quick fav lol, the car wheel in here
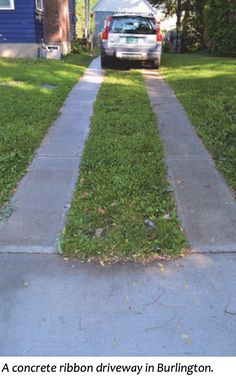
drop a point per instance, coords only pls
(105, 62)
(156, 63)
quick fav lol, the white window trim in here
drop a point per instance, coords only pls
(38, 8)
(10, 8)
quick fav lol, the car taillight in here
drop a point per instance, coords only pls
(105, 34)
(159, 35)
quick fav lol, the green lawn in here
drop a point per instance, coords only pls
(28, 109)
(206, 86)
(123, 207)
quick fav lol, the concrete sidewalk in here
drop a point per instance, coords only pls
(205, 204)
(44, 195)
(49, 306)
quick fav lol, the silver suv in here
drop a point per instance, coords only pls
(131, 37)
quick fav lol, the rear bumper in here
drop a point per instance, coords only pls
(137, 54)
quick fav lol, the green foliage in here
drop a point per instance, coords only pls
(220, 26)
(76, 47)
(193, 25)
(170, 5)
(31, 94)
(80, 45)
(206, 88)
(207, 24)
(123, 187)
(80, 13)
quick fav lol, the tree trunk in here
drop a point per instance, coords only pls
(178, 23)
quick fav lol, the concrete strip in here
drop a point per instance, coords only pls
(67, 137)
(49, 306)
(44, 195)
(205, 204)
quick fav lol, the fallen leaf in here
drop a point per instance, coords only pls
(188, 341)
(101, 211)
(99, 232)
(162, 268)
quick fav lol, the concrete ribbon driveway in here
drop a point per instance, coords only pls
(49, 306)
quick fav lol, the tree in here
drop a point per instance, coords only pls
(206, 24)
(173, 7)
(80, 12)
(179, 8)
(220, 22)
(194, 26)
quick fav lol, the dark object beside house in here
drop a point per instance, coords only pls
(173, 43)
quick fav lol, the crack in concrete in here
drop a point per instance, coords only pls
(155, 300)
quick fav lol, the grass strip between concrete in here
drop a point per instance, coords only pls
(123, 207)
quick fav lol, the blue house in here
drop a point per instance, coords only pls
(30, 26)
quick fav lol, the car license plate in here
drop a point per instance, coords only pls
(131, 40)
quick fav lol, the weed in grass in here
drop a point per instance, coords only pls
(6, 211)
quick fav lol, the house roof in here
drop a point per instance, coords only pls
(139, 6)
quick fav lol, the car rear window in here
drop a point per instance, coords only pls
(133, 25)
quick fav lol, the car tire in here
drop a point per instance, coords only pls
(156, 64)
(105, 62)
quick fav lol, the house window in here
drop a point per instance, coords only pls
(39, 5)
(7, 4)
